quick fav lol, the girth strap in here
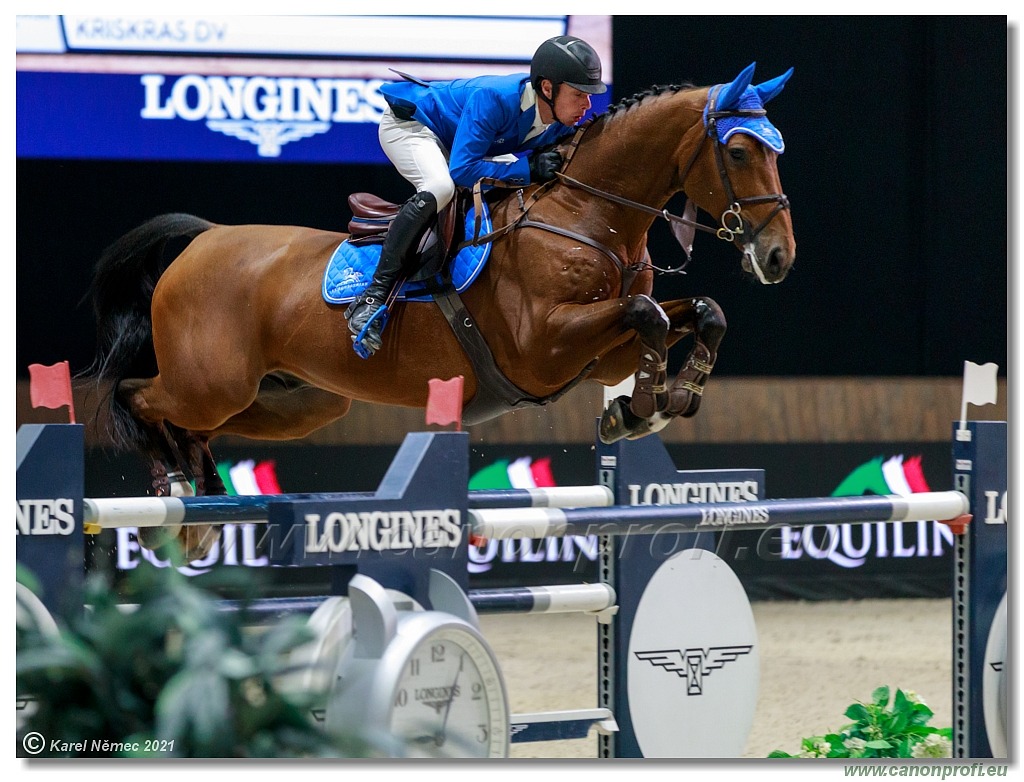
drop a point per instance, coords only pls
(495, 394)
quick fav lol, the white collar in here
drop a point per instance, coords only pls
(530, 99)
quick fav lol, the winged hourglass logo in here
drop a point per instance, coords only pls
(694, 664)
(269, 137)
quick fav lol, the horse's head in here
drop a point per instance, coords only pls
(736, 177)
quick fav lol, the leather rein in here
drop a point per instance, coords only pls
(732, 226)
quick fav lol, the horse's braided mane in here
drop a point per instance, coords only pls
(654, 90)
(628, 103)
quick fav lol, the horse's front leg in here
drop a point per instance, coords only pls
(572, 332)
(701, 317)
(651, 324)
(628, 335)
(705, 319)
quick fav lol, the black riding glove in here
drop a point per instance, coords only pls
(544, 165)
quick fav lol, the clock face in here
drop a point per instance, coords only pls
(450, 699)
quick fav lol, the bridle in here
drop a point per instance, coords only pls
(732, 226)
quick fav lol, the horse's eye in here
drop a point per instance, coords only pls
(738, 154)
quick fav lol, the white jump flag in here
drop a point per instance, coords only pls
(980, 388)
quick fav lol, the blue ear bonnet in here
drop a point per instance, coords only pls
(758, 127)
(751, 97)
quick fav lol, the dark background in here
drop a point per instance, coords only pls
(895, 166)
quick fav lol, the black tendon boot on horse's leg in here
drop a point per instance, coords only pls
(367, 314)
(688, 388)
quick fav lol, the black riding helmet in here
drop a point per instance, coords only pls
(566, 59)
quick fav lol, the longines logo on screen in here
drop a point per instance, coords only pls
(266, 111)
(46, 517)
(694, 664)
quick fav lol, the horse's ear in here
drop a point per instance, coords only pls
(769, 89)
(730, 94)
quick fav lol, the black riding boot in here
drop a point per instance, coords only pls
(396, 257)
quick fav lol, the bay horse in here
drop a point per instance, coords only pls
(232, 336)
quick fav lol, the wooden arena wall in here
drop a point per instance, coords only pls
(735, 410)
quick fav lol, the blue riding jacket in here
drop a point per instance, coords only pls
(475, 119)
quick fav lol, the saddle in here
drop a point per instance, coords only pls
(372, 216)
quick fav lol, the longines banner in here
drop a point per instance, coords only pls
(824, 561)
(157, 116)
(296, 89)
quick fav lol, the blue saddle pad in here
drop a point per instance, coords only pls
(352, 266)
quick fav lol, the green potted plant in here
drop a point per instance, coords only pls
(170, 675)
(881, 729)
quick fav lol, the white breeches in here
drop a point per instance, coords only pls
(419, 156)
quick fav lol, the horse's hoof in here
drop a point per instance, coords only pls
(613, 426)
(640, 431)
(197, 540)
(155, 538)
(179, 544)
(618, 422)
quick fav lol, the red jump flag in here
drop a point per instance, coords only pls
(444, 402)
(50, 386)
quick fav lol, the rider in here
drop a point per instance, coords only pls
(447, 134)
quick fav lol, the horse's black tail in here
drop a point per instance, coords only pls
(121, 295)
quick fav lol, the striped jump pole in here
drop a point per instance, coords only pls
(501, 524)
(555, 599)
(113, 512)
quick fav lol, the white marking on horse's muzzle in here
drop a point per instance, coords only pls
(751, 255)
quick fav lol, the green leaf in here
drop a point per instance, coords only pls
(918, 730)
(27, 578)
(236, 665)
(195, 709)
(778, 753)
(176, 667)
(858, 712)
(901, 703)
(920, 708)
(920, 714)
(880, 697)
(897, 722)
(879, 744)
